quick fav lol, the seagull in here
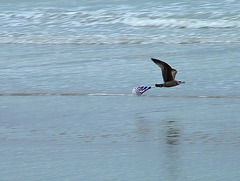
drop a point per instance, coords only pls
(168, 74)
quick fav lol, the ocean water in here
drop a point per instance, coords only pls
(66, 74)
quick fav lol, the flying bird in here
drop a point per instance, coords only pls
(168, 74)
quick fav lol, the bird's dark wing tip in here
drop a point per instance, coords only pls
(158, 62)
(161, 63)
(155, 60)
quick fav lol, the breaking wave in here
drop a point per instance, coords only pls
(117, 26)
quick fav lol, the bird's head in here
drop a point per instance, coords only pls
(181, 82)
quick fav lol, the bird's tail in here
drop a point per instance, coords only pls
(159, 85)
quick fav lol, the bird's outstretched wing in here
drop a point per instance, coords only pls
(167, 72)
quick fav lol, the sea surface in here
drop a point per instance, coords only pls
(67, 70)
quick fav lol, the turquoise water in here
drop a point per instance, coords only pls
(67, 71)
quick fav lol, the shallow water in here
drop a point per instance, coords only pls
(119, 137)
(67, 71)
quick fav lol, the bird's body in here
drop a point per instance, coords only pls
(168, 74)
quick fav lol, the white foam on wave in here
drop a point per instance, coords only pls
(182, 23)
(99, 17)
(115, 26)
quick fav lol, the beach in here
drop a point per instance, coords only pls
(66, 107)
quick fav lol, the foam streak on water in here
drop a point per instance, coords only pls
(112, 94)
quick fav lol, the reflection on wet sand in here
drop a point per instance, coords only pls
(168, 135)
(143, 129)
(173, 133)
(172, 137)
